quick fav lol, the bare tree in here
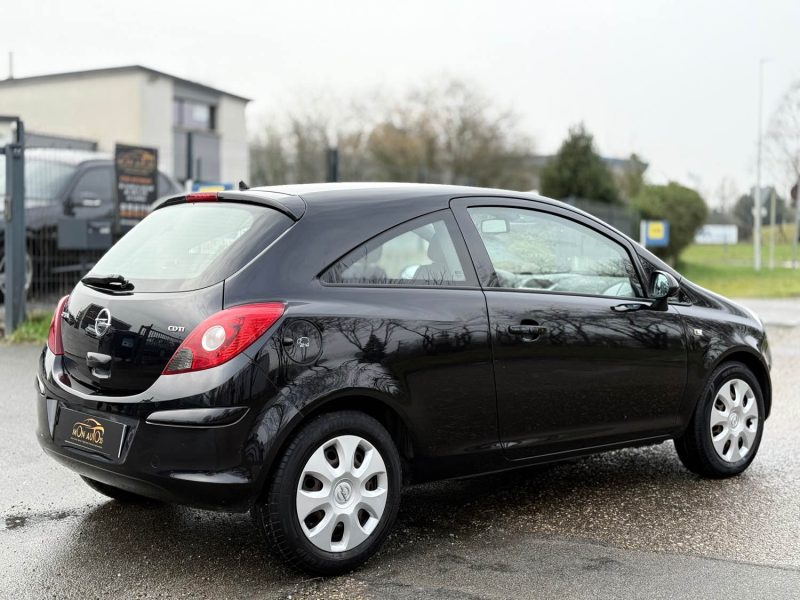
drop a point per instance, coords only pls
(783, 147)
(442, 132)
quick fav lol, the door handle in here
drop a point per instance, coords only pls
(529, 333)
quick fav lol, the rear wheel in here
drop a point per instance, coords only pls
(334, 494)
(725, 432)
(116, 493)
(28, 274)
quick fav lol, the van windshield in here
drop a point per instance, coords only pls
(190, 246)
(44, 179)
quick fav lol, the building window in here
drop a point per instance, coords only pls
(190, 114)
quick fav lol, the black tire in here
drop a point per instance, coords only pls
(276, 515)
(695, 447)
(117, 493)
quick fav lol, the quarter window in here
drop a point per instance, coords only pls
(539, 251)
(416, 254)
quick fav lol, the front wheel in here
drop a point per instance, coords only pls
(334, 494)
(725, 432)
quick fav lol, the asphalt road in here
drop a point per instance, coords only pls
(631, 523)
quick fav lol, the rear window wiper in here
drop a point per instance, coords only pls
(116, 283)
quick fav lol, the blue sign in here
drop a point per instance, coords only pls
(654, 234)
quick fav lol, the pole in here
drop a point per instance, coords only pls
(772, 208)
(796, 225)
(757, 198)
(15, 231)
(333, 164)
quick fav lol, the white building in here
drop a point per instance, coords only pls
(199, 130)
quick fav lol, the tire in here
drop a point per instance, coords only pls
(117, 493)
(28, 274)
(346, 463)
(714, 450)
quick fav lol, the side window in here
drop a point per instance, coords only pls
(410, 254)
(539, 251)
(95, 187)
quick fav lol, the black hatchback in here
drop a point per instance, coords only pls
(306, 351)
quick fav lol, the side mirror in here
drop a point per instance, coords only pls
(495, 226)
(663, 286)
(86, 200)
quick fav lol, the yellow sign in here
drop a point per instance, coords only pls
(655, 230)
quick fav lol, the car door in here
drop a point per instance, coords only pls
(92, 196)
(580, 358)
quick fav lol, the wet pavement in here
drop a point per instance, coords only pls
(631, 523)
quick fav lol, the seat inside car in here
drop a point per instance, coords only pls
(437, 271)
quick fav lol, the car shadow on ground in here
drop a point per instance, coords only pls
(184, 546)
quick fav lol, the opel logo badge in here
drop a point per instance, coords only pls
(102, 322)
(342, 493)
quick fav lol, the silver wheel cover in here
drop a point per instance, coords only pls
(342, 492)
(734, 420)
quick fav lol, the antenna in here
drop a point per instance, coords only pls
(10, 65)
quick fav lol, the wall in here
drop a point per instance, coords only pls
(102, 107)
(234, 154)
(156, 124)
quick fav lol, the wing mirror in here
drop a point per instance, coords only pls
(86, 200)
(495, 226)
(663, 286)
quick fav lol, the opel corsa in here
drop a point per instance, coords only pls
(305, 351)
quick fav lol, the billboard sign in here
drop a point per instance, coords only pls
(136, 181)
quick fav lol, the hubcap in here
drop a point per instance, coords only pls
(734, 420)
(342, 493)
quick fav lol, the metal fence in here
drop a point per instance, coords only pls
(70, 218)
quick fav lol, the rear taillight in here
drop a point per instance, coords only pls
(202, 197)
(222, 336)
(54, 334)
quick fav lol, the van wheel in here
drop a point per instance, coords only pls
(116, 493)
(725, 432)
(334, 494)
(28, 273)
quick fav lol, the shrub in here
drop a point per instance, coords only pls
(683, 207)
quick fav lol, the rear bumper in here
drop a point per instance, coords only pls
(217, 466)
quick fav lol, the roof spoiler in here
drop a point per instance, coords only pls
(292, 206)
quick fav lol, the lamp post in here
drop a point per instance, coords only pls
(757, 197)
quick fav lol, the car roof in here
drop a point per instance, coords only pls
(66, 155)
(313, 193)
(408, 198)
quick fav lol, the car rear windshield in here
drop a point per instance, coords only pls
(191, 246)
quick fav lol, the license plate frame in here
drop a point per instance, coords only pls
(89, 433)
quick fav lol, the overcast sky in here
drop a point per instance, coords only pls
(676, 82)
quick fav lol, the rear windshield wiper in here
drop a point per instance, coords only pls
(115, 283)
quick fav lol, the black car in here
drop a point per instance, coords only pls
(306, 351)
(69, 207)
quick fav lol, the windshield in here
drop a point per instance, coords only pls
(189, 246)
(44, 179)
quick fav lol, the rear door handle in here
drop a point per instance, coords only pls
(529, 333)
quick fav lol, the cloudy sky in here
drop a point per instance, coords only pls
(676, 82)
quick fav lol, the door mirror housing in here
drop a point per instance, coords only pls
(663, 286)
(495, 226)
(86, 200)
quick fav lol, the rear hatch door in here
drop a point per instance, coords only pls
(127, 317)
